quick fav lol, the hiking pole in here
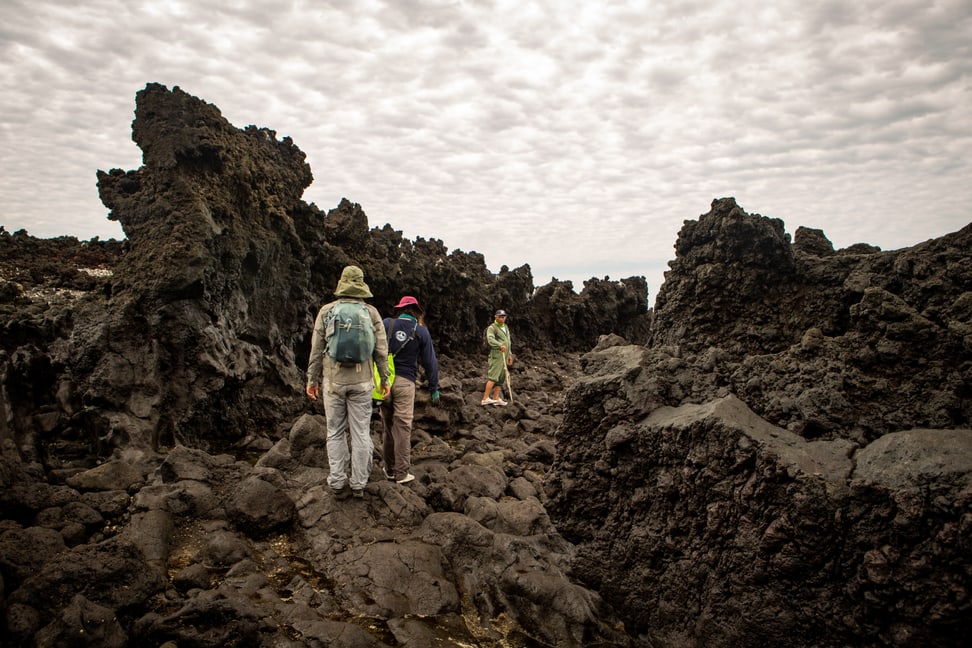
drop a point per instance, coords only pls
(509, 387)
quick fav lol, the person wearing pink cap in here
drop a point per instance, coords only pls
(410, 343)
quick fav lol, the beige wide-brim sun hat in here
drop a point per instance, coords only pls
(352, 284)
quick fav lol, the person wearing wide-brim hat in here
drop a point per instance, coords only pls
(347, 397)
(410, 343)
(500, 357)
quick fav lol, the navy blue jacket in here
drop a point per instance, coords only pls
(409, 354)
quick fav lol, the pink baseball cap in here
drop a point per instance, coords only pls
(409, 301)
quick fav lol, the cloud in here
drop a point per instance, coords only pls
(576, 137)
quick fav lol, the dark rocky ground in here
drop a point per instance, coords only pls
(778, 452)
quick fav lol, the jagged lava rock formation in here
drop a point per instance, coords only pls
(789, 459)
(162, 472)
(779, 452)
(205, 329)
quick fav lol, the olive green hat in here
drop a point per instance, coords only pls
(352, 284)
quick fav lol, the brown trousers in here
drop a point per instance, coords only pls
(397, 412)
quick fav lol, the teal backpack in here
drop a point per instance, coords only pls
(349, 333)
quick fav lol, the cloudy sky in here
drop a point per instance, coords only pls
(572, 135)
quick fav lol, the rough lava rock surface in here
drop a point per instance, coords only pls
(779, 452)
(788, 460)
(158, 449)
(853, 343)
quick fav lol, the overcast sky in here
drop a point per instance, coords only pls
(574, 136)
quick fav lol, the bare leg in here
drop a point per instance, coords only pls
(489, 387)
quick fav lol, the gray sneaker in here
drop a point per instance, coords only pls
(387, 474)
(407, 478)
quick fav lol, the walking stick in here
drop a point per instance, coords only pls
(509, 387)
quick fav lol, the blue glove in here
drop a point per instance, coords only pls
(435, 398)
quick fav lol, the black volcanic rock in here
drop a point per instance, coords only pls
(153, 426)
(744, 534)
(198, 325)
(852, 344)
(778, 454)
(789, 459)
(203, 326)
